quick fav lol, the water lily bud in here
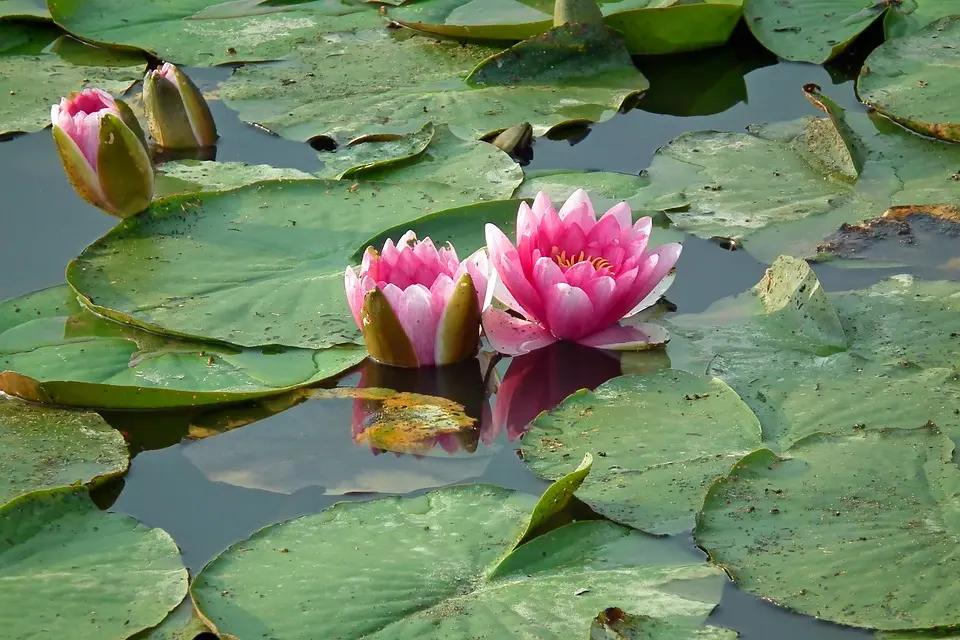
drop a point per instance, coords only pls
(103, 152)
(177, 115)
(576, 12)
(416, 305)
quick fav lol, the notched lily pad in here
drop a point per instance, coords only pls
(46, 447)
(915, 235)
(375, 152)
(52, 350)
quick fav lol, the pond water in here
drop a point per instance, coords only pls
(211, 492)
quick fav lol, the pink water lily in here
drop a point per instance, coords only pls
(103, 151)
(574, 277)
(418, 305)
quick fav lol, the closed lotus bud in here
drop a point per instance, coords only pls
(177, 115)
(103, 151)
(416, 305)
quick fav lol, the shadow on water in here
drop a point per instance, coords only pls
(210, 492)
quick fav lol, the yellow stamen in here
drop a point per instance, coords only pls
(561, 258)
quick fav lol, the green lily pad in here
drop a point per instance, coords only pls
(52, 350)
(43, 448)
(694, 428)
(205, 33)
(384, 83)
(182, 624)
(18, 38)
(810, 31)
(477, 170)
(445, 573)
(912, 80)
(914, 15)
(255, 266)
(191, 176)
(616, 624)
(857, 529)
(648, 26)
(604, 187)
(23, 10)
(377, 153)
(73, 569)
(31, 83)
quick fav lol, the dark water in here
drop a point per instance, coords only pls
(209, 493)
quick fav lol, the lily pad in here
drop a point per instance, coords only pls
(616, 624)
(377, 152)
(18, 38)
(476, 169)
(912, 80)
(256, 266)
(810, 31)
(913, 15)
(31, 83)
(182, 624)
(23, 10)
(857, 529)
(605, 188)
(191, 176)
(53, 350)
(384, 83)
(445, 573)
(44, 447)
(694, 428)
(204, 33)
(72, 569)
(648, 26)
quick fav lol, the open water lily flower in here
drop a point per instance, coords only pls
(103, 151)
(418, 305)
(574, 277)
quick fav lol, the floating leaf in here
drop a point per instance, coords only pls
(23, 9)
(476, 169)
(857, 529)
(191, 176)
(73, 570)
(913, 80)
(182, 624)
(31, 83)
(915, 235)
(913, 15)
(442, 572)
(384, 83)
(693, 429)
(648, 26)
(54, 351)
(210, 32)
(375, 153)
(44, 447)
(616, 624)
(254, 266)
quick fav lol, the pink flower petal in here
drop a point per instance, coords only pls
(419, 321)
(654, 296)
(541, 203)
(625, 338)
(604, 233)
(506, 261)
(621, 213)
(389, 255)
(441, 290)
(478, 266)
(351, 283)
(580, 274)
(570, 314)
(577, 199)
(603, 294)
(580, 217)
(513, 336)
(647, 281)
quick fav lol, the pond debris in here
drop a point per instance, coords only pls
(920, 235)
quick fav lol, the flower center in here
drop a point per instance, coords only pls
(561, 258)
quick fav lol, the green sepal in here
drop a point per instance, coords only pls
(124, 168)
(198, 111)
(167, 117)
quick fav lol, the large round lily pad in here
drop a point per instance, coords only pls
(23, 9)
(385, 83)
(31, 83)
(662, 438)
(428, 567)
(73, 571)
(254, 266)
(648, 26)
(616, 624)
(46, 447)
(858, 529)
(210, 32)
(913, 80)
(53, 350)
(191, 176)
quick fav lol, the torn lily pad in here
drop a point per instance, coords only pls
(373, 153)
(913, 80)
(456, 576)
(52, 350)
(46, 447)
(390, 83)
